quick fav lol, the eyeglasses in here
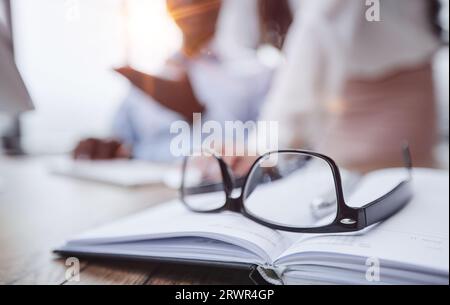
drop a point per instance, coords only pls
(288, 190)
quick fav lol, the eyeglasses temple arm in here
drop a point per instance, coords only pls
(387, 205)
(407, 159)
(211, 187)
(396, 199)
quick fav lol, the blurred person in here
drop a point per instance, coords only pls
(275, 19)
(357, 89)
(254, 23)
(201, 78)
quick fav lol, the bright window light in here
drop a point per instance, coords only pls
(66, 50)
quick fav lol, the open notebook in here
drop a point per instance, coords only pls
(412, 247)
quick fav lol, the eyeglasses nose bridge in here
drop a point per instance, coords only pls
(228, 177)
(234, 204)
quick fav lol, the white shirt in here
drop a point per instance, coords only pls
(330, 42)
(231, 90)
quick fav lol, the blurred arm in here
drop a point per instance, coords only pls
(176, 95)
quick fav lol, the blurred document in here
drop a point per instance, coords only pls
(126, 173)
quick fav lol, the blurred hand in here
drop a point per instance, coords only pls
(127, 72)
(240, 165)
(100, 149)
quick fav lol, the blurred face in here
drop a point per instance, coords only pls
(195, 17)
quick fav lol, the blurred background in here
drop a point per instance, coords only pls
(66, 50)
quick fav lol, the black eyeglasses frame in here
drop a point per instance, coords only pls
(348, 219)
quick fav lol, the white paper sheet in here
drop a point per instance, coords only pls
(126, 173)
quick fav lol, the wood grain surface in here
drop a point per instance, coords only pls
(39, 211)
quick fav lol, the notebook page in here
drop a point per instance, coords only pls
(415, 237)
(172, 219)
(188, 248)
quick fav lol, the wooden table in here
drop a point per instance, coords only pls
(38, 211)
